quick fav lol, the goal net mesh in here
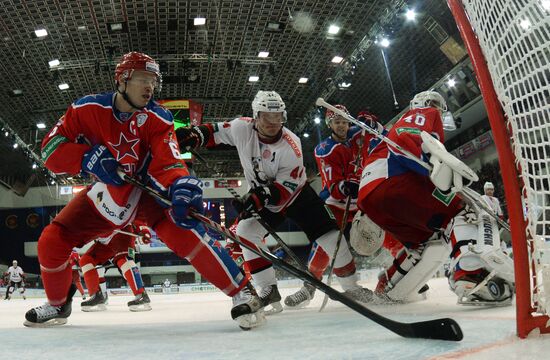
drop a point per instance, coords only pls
(515, 39)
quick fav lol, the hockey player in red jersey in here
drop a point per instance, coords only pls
(120, 249)
(74, 260)
(271, 157)
(422, 210)
(127, 130)
(336, 158)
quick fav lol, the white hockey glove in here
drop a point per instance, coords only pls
(448, 172)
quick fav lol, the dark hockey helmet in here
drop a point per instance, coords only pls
(366, 115)
(331, 115)
(136, 61)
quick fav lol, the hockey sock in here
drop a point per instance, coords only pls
(206, 255)
(131, 274)
(318, 261)
(53, 256)
(91, 278)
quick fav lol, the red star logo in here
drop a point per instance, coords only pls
(125, 147)
(217, 244)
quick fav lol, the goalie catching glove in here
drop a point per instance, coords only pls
(366, 236)
(447, 172)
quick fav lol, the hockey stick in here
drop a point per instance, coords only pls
(338, 241)
(466, 192)
(438, 329)
(342, 225)
(256, 216)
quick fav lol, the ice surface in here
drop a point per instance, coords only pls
(199, 326)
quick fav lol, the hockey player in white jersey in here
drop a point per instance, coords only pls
(271, 156)
(16, 277)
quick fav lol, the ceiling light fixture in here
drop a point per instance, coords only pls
(303, 80)
(337, 59)
(263, 54)
(253, 78)
(41, 125)
(41, 32)
(333, 29)
(410, 15)
(385, 42)
(54, 63)
(199, 21)
(63, 86)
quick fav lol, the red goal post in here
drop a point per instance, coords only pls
(509, 45)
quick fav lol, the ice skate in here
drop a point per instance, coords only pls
(48, 315)
(247, 309)
(301, 298)
(361, 295)
(96, 302)
(140, 303)
(270, 297)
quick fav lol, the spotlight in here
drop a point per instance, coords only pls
(410, 15)
(317, 120)
(306, 135)
(385, 42)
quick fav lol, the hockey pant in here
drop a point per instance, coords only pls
(117, 250)
(12, 285)
(79, 223)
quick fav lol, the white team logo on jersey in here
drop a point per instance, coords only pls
(141, 119)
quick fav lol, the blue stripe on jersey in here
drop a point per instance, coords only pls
(399, 164)
(163, 113)
(223, 256)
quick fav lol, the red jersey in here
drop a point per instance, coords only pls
(384, 162)
(143, 143)
(336, 164)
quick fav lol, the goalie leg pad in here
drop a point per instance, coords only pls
(416, 269)
(480, 272)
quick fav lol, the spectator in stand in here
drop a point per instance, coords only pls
(493, 202)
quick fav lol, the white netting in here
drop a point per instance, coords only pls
(515, 38)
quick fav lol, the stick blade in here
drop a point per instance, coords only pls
(438, 329)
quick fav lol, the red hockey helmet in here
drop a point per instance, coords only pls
(331, 115)
(136, 61)
(366, 115)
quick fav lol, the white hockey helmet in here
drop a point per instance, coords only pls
(488, 185)
(268, 101)
(429, 98)
(366, 236)
(14, 262)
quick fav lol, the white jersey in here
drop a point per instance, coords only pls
(15, 273)
(493, 203)
(280, 164)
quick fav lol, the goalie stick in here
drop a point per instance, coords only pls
(466, 192)
(438, 329)
(256, 216)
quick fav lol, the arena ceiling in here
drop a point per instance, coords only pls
(212, 63)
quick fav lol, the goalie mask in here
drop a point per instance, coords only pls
(268, 101)
(427, 99)
(366, 236)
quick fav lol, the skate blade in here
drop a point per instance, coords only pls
(138, 308)
(273, 308)
(249, 321)
(485, 303)
(95, 308)
(49, 323)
